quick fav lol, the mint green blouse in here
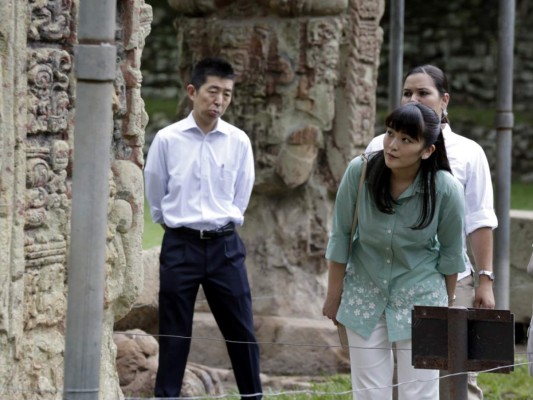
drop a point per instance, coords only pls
(392, 267)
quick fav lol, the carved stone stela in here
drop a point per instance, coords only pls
(306, 76)
(305, 94)
(37, 111)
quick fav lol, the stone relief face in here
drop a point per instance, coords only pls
(59, 155)
(240, 61)
(306, 74)
(283, 83)
(323, 48)
(123, 215)
(38, 173)
(35, 217)
(50, 19)
(36, 197)
(119, 96)
(58, 112)
(49, 310)
(41, 75)
(48, 82)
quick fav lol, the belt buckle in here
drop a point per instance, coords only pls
(202, 235)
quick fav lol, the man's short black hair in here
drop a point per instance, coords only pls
(211, 66)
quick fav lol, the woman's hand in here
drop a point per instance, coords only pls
(451, 281)
(335, 283)
(331, 306)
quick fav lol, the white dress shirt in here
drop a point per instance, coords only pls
(197, 180)
(470, 166)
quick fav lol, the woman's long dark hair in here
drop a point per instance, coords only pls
(422, 124)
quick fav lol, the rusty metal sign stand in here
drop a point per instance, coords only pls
(459, 340)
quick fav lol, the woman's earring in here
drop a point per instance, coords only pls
(444, 112)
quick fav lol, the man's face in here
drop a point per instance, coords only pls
(211, 100)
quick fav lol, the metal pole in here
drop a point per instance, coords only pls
(396, 53)
(95, 68)
(504, 129)
(457, 352)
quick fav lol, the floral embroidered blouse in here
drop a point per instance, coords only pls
(392, 267)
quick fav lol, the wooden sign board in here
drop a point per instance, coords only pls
(490, 341)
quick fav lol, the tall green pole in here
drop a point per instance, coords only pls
(95, 68)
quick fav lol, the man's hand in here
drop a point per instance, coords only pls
(484, 294)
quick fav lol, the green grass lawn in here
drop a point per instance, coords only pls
(153, 233)
(517, 385)
(522, 196)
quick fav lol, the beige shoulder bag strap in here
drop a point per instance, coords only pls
(361, 182)
(343, 337)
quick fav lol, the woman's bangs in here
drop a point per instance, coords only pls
(406, 120)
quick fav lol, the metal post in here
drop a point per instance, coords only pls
(396, 53)
(95, 69)
(504, 129)
(457, 352)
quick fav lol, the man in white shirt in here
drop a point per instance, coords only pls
(199, 176)
(428, 85)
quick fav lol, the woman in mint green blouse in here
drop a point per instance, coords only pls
(406, 251)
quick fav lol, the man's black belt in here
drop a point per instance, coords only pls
(225, 230)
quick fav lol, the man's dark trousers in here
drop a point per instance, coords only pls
(217, 264)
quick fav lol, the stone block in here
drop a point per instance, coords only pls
(289, 346)
(521, 284)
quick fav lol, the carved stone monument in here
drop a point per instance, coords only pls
(305, 94)
(306, 76)
(37, 107)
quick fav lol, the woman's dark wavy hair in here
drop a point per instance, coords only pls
(422, 124)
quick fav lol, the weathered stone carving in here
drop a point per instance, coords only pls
(42, 250)
(306, 76)
(295, 8)
(297, 157)
(48, 82)
(123, 269)
(36, 138)
(284, 8)
(51, 20)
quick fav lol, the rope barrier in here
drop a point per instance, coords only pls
(267, 343)
(10, 389)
